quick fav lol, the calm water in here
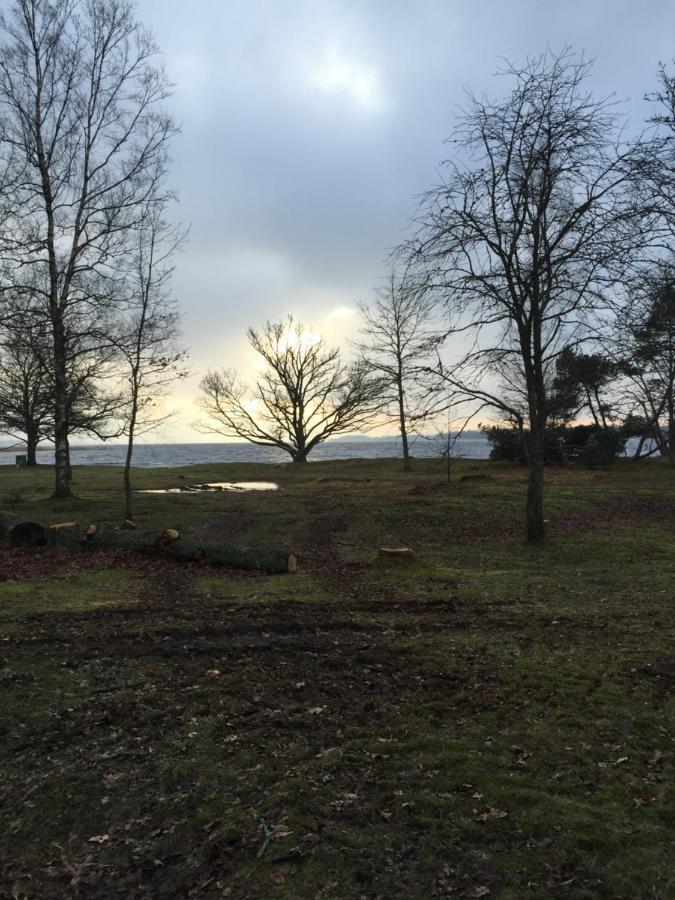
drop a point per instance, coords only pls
(472, 445)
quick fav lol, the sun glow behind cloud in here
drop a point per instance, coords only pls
(343, 77)
(342, 314)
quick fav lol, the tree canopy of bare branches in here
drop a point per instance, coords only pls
(146, 342)
(26, 400)
(304, 396)
(399, 339)
(531, 222)
(658, 162)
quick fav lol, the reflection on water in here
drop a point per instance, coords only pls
(239, 486)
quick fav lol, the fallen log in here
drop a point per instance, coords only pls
(170, 543)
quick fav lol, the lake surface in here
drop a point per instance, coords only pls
(470, 445)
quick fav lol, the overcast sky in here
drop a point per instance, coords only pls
(308, 127)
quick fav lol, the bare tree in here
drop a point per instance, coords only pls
(529, 225)
(147, 339)
(443, 441)
(26, 399)
(83, 130)
(399, 338)
(27, 379)
(305, 395)
(646, 344)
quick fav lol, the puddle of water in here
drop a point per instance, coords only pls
(237, 486)
(213, 486)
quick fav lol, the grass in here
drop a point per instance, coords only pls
(494, 720)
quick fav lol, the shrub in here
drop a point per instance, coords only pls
(603, 446)
(507, 443)
(594, 446)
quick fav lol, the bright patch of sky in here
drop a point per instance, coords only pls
(343, 77)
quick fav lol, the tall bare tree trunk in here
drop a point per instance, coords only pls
(671, 421)
(402, 426)
(638, 451)
(61, 448)
(61, 485)
(69, 467)
(128, 490)
(535, 488)
(31, 448)
(533, 360)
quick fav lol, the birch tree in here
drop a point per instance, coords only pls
(84, 131)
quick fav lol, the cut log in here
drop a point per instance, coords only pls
(235, 555)
(27, 534)
(180, 548)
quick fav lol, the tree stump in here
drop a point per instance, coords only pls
(396, 555)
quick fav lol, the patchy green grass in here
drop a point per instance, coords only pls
(87, 591)
(494, 720)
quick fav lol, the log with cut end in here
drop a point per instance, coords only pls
(235, 555)
(27, 534)
(170, 543)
